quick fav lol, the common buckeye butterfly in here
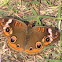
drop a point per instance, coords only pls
(24, 37)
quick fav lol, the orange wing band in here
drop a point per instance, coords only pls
(43, 29)
(16, 23)
(39, 29)
(19, 24)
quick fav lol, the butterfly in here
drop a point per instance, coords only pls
(28, 38)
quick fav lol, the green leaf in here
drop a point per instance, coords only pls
(15, 10)
(59, 23)
(9, 7)
(54, 60)
(38, 21)
(1, 12)
(40, 16)
(5, 2)
(48, 2)
(34, 12)
(35, 2)
(59, 11)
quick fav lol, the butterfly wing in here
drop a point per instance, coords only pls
(30, 39)
(16, 31)
(40, 36)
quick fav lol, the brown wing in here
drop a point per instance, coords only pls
(40, 36)
(29, 39)
(16, 31)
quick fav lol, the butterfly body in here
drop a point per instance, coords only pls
(22, 37)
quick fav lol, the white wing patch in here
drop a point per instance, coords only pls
(50, 34)
(7, 24)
